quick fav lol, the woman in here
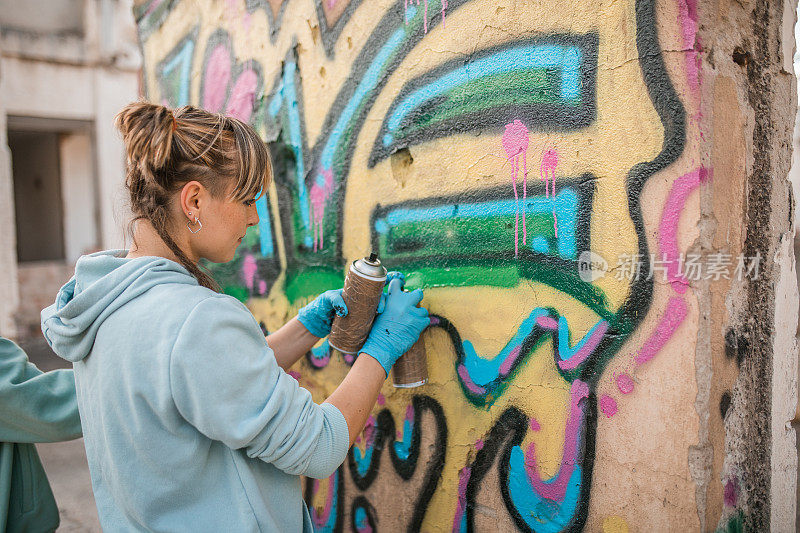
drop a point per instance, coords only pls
(190, 421)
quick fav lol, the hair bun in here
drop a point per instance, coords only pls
(147, 131)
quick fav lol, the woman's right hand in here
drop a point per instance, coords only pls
(398, 327)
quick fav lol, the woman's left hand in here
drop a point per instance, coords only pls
(318, 315)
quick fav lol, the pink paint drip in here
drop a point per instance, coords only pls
(687, 18)
(673, 316)
(463, 481)
(318, 196)
(479, 444)
(381, 399)
(580, 355)
(249, 269)
(243, 96)
(668, 227)
(625, 383)
(534, 425)
(295, 374)
(608, 405)
(320, 520)
(217, 77)
(515, 143)
(262, 286)
(406, 3)
(557, 488)
(547, 172)
(331, 4)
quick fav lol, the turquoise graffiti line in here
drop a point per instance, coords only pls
(181, 65)
(364, 460)
(368, 84)
(285, 98)
(484, 380)
(567, 59)
(266, 244)
(571, 358)
(402, 446)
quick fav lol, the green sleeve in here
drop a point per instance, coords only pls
(35, 406)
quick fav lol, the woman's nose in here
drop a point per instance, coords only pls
(252, 216)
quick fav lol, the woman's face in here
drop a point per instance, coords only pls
(225, 222)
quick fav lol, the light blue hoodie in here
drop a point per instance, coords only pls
(189, 423)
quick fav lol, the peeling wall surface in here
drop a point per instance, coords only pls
(592, 195)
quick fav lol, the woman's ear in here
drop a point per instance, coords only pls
(191, 199)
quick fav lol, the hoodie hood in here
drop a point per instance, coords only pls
(103, 282)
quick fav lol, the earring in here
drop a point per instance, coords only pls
(196, 221)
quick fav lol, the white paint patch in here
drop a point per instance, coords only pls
(783, 486)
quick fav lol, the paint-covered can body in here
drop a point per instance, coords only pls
(411, 369)
(362, 293)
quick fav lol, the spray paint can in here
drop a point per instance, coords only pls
(411, 369)
(363, 286)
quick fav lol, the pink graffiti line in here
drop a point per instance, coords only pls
(461, 504)
(668, 227)
(243, 96)
(584, 347)
(515, 143)
(556, 488)
(409, 418)
(249, 269)
(673, 316)
(216, 79)
(152, 7)
(318, 196)
(547, 172)
(322, 518)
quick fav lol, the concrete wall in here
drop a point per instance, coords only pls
(9, 288)
(518, 160)
(68, 66)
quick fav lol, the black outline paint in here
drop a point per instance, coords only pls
(384, 438)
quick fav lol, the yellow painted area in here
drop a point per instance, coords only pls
(615, 524)
(627, 131)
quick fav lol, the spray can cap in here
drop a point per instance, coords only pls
(370, 266)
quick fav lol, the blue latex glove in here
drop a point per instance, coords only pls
(389, 277)
(398, 327)
(318, 315)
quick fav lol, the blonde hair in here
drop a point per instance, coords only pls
(167, 149)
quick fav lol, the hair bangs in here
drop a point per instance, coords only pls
(254, 166)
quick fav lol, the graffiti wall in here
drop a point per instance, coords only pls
(536, 168)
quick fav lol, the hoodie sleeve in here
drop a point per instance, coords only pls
(226, 382)
(35, 406)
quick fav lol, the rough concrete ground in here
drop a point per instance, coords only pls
(65, 462)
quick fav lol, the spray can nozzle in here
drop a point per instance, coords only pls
(372, 257)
